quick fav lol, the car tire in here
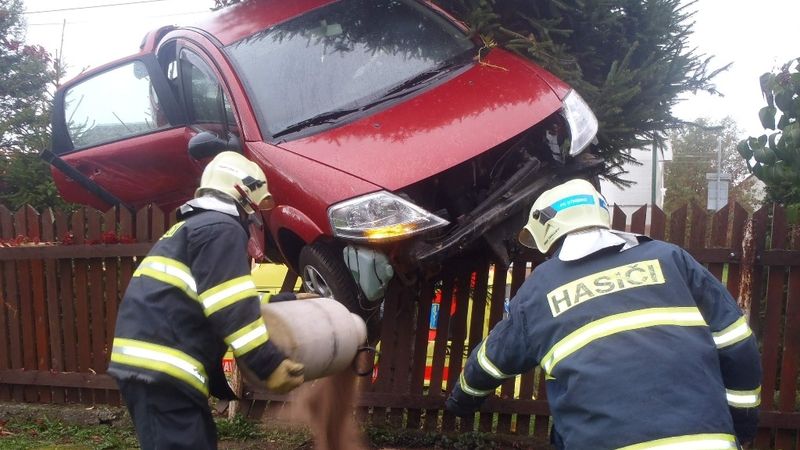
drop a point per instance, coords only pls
(323, 271)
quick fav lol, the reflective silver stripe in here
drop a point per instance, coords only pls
(689, 442)
(744, 399)
(487, 365)
(736, 332)
(219, 298)
(471, 390)
(170, 267)
(249, 337)
(162, 359)
(618, 323)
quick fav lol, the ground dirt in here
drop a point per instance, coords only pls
(114, 425)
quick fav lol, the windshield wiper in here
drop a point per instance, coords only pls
(423, 78)
(319, 119)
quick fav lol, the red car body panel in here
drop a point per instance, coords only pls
(113, 168)
(294, 177)
(437, 129)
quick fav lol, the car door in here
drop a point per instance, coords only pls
(119, 134)
(204, 96)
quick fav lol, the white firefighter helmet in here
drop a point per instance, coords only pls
(241, 179)
(570, 206)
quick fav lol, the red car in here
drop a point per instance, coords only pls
(392, 140)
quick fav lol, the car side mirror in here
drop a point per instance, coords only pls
(206, 145)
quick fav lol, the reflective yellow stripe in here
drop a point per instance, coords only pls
(227, 293)
(471, 390)
(248, 337)
(744, 399)
(173, 229)
(689, 442)
(487, 365)
(618, 323)
(162, 359)
(735, 332)
(168, 271)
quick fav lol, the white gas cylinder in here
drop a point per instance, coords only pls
(320, 333)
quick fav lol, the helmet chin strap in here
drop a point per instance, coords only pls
(246, 201)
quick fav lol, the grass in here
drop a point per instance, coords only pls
(50, 434)
(234, 434)
(47, 434)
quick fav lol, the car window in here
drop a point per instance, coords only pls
(343, 56)
(205, 99)
(113, 105)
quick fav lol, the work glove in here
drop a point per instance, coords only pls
(460, 407)
(287, 376)
(287, 296)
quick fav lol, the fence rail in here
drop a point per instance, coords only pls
(62, 277)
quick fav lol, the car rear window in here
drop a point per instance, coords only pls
(341, 56)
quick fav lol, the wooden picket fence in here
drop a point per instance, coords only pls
(62, 277)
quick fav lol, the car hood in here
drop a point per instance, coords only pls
(439, 128)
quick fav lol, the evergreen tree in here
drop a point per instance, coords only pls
(629, 59)
(28, 76)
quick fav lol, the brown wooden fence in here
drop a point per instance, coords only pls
(62, 277)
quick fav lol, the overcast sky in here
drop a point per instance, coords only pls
(755, 36)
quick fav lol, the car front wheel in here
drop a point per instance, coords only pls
(324, 272)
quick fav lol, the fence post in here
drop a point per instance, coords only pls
(747, 264)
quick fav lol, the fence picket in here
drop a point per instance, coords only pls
(718, 238)
(790, 358)
(419, 361)
(110, 272)
(495, 315)
(440, 350)
(11, 359)
(403, 334)
(658, 223)
(457, 334)
(639, 221)
(618, 219)
(477, 312)
(518, 275)
(26, 314)
(56, 362)
(67, 302)
(738, 225)
(82, 323)
(677, 226)
(40, 322)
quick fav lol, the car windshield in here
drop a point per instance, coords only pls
(339, 58)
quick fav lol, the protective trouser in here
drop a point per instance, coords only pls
(167, 419)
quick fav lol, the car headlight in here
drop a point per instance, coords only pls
(582, 122)
(380, 217)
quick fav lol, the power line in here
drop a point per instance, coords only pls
(76, 8)
(134, 19)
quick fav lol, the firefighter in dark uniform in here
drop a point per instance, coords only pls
(641, 346)
(190, 299)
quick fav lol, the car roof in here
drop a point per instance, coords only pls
(248, 17)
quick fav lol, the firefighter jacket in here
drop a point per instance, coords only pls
(190, 299)
(641, 348)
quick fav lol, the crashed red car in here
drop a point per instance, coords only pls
(391, 139)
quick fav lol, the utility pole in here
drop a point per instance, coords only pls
(719, 173)
(654, 173)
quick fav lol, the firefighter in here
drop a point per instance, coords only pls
(190, 299)
(641, 346)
